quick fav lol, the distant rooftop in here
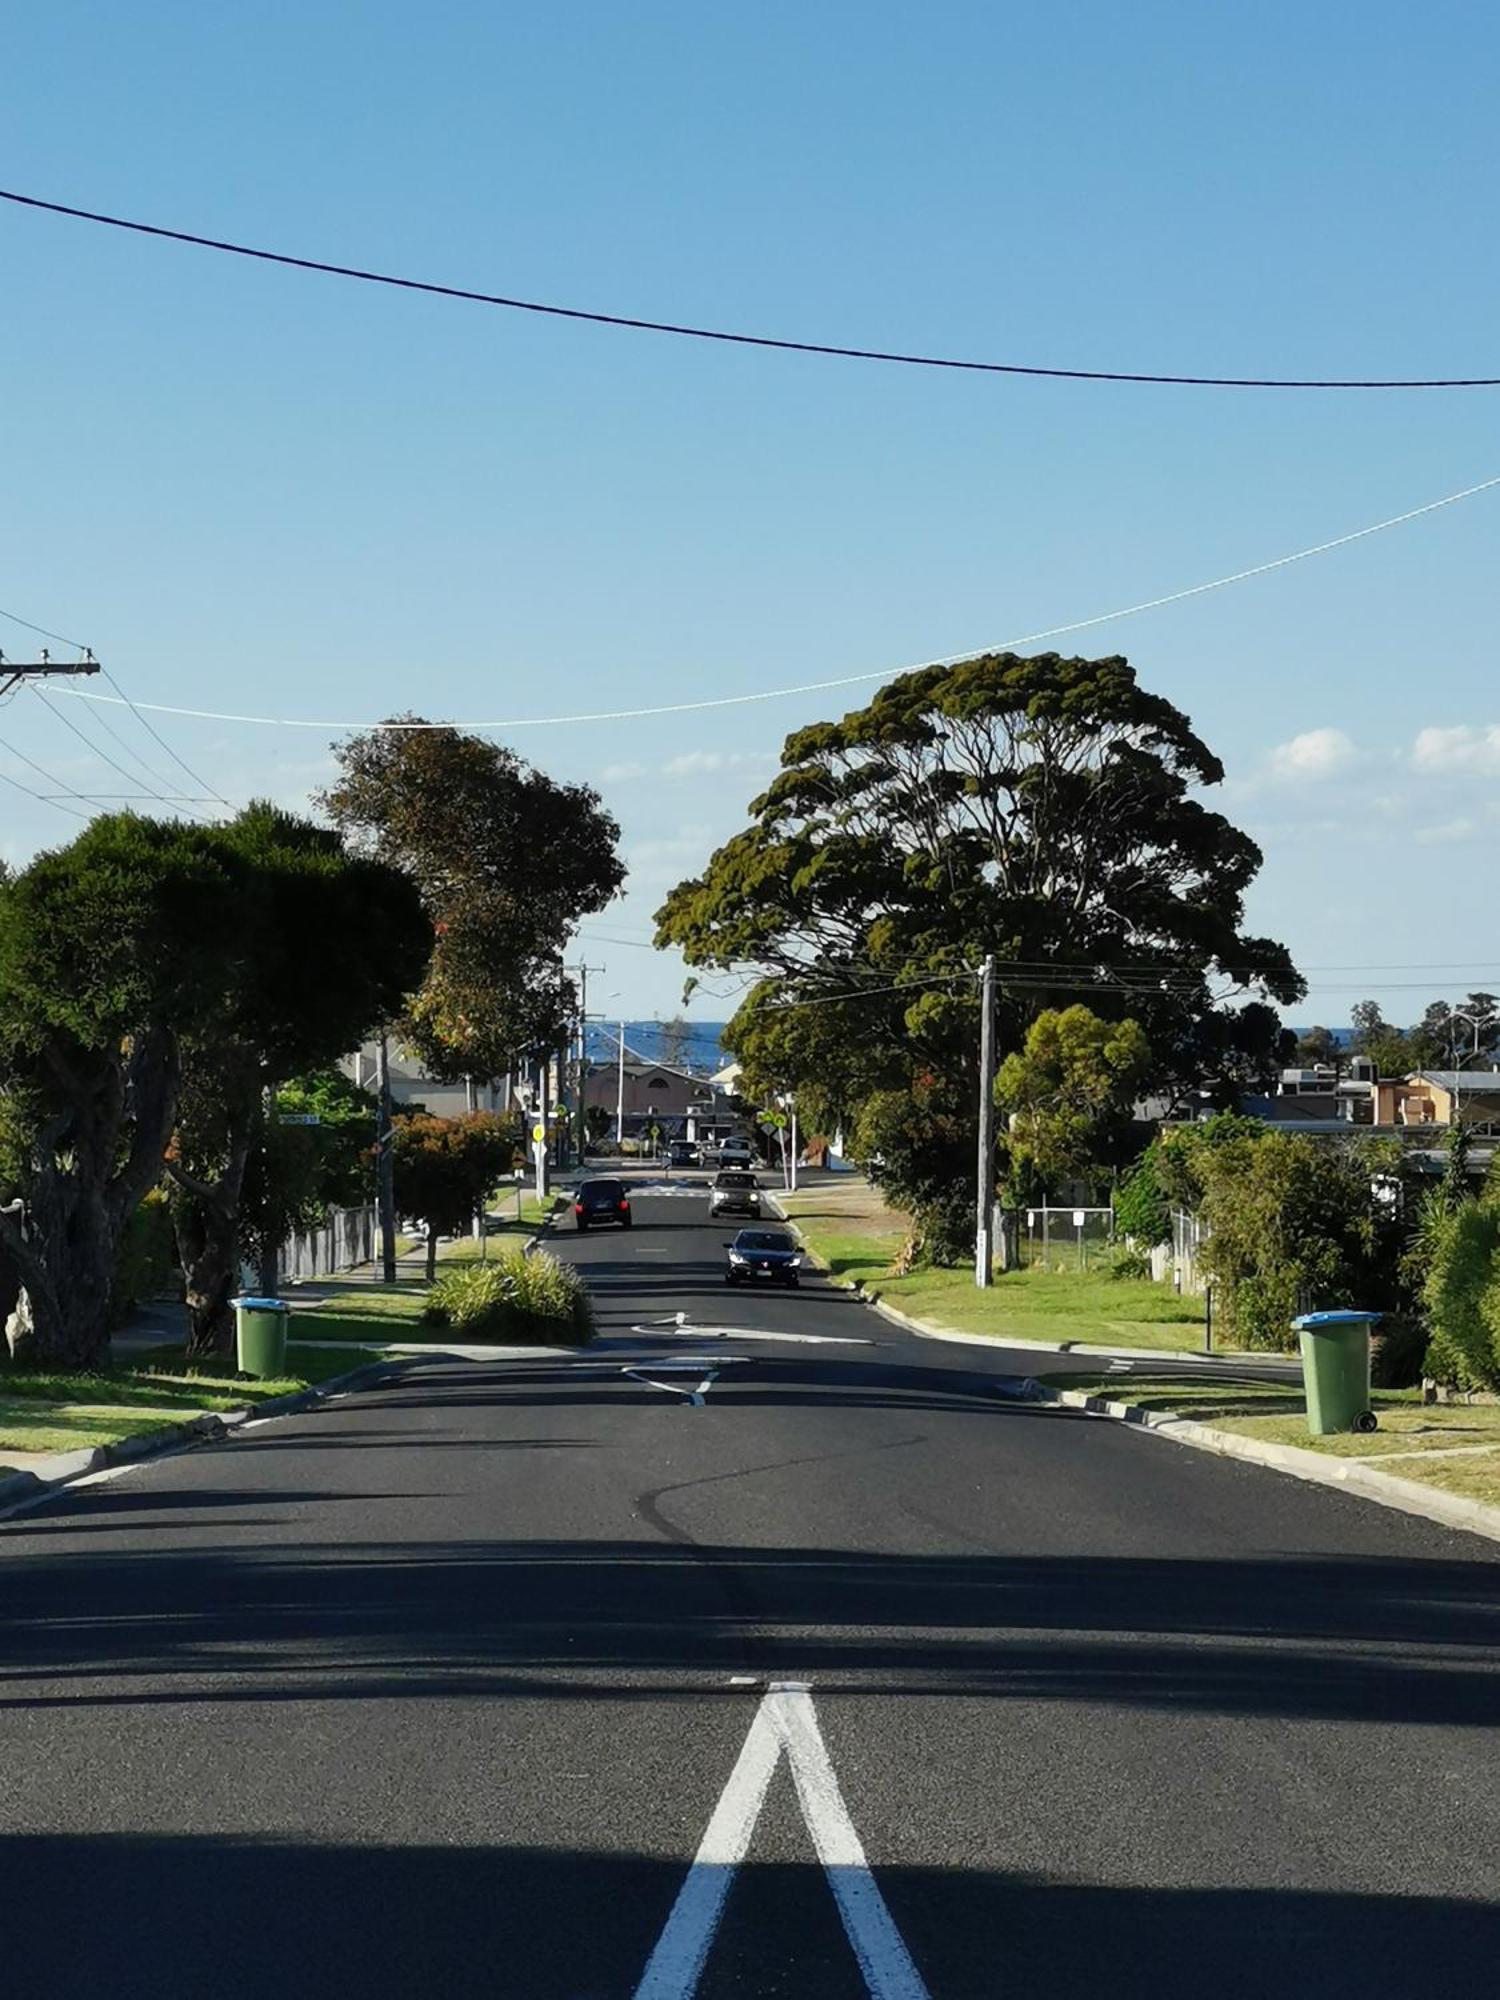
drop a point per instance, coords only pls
(1459, 1080)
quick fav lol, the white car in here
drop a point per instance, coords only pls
(735, 1153)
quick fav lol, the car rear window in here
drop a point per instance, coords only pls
(603, 1190)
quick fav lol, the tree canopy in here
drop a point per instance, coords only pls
(328, 944)
(112, 950)
(447, 1167)
(1074, 1077)
(1043, 809)
(507, 860)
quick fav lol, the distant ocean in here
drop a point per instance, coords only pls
(701, 1048)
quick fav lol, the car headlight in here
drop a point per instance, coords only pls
(736, 1258)
(796, 1263)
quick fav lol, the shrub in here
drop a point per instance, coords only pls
(1462, 1296)
(515, 1298)
(1142, 1211)
(1131, 1264)
(1295, 1224)
(1398, 1352)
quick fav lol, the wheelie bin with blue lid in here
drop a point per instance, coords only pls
(260, 1336)
(1336, 1370)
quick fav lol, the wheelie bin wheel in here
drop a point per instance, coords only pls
(1366, 1421)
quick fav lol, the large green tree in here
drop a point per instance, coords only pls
(1045, 810)
(113, 951)
(328, 944)
(507, 860)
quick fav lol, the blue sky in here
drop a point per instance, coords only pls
(255, 490)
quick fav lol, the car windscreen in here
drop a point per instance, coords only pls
(740, 1180)
(763, 1239)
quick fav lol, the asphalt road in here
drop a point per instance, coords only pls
(441, 1689)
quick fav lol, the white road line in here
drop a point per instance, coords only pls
(669, 1329)
(694, 1396)
(674, 1968)
(878, 1945)
(784, 1722)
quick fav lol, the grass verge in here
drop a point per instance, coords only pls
(1452, 1446)
(851, 1232)
(64, 1411)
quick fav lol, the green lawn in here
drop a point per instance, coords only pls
(360, 1311)
(855, 1237)
(56, 1411)
(1453, 1446)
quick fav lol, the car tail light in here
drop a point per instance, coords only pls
(578, 1208)
(624, 1207)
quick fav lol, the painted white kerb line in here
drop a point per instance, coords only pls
(785, 1722)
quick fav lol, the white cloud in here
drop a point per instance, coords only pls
(1464, 747)
(1315, 754)
(1446, 832)
(694, 763)
(702, 763)
(621, 774)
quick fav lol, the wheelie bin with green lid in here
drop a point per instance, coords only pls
(1336, 1370)
(260, 1336)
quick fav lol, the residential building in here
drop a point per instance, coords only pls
(1441, 1097)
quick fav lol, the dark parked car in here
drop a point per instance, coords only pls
(734, 1193)
(682, 1153)
(601, 1201)
(763, 1253)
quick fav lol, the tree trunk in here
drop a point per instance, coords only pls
(432, 1247)
(205, 1219)
(89, 1169)
(209, 1254)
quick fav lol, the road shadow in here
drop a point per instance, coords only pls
(246, 1918)
(1396, 1641)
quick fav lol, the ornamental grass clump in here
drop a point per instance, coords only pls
(515, 1298)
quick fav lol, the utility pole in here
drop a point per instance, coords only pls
(583, 972)
(45, 668)
(385, 1156)
(543, 1110)
(985, 1220)
(620, 1096)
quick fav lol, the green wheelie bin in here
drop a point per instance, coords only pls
(1336, 1370)
(260, 1336)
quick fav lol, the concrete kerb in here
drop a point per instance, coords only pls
(1407, 1496)
(1355, 1476)
(21, 1488)
(927, 1330)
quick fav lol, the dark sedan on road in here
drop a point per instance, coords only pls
(763, 1253)
(734, 1193)
(601, 1201)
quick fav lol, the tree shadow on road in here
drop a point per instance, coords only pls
(260, 1918)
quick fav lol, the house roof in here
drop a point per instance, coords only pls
(1457, 1081)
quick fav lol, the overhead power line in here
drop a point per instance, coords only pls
(93, 748)
(820, 687)
(122, 699)
(725, 337)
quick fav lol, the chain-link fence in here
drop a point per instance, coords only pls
(1065, 1238)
